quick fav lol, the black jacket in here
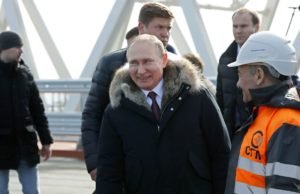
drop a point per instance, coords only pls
(187, 153)
(22, 116)
(96, 103)
(229, 97)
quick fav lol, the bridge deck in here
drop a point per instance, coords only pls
(59, 176)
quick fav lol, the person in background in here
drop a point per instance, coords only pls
(265, 150)
(159, 133)
(131, 34)
(171, 49)
(244, 23)
(22, 117)
(154, 18)
(197, 61)
(134, 32)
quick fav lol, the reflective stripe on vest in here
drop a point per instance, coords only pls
(285, 170)
(252, 164)
(246, 189)
(242, 188)
(278, 191)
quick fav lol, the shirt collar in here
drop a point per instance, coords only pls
(238, 48)
(158, 89)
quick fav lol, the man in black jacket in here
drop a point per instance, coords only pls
(22, 117)
(229, 97)
(162, 132)
(154, 18)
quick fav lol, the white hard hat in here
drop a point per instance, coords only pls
(269, 48)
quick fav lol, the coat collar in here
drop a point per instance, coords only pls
(176, 74)
(279, 95)
(232, 50)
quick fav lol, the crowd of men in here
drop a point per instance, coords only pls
(154, 124)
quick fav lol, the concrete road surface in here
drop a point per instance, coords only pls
(59, 176)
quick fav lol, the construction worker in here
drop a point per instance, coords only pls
(265, 155)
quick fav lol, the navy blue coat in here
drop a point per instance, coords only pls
(96, 103)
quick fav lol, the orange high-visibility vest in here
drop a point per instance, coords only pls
(253, 164)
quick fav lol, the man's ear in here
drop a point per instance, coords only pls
(259, 75)
(165, 59)
(257, 27)
(141, 27)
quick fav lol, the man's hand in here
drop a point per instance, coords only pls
(45, 152)
(93, 174)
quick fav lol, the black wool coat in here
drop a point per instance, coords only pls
(186, 153)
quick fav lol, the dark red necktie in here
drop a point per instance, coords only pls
(154, 106)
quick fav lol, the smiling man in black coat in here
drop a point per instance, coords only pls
(154, 18)
(185, 149)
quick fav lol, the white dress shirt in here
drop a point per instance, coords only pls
(159, 92)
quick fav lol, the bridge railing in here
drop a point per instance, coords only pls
(64, 125)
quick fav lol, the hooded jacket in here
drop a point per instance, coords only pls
(97, 100)
(22, 117)
(265, 151)
(186, 153)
